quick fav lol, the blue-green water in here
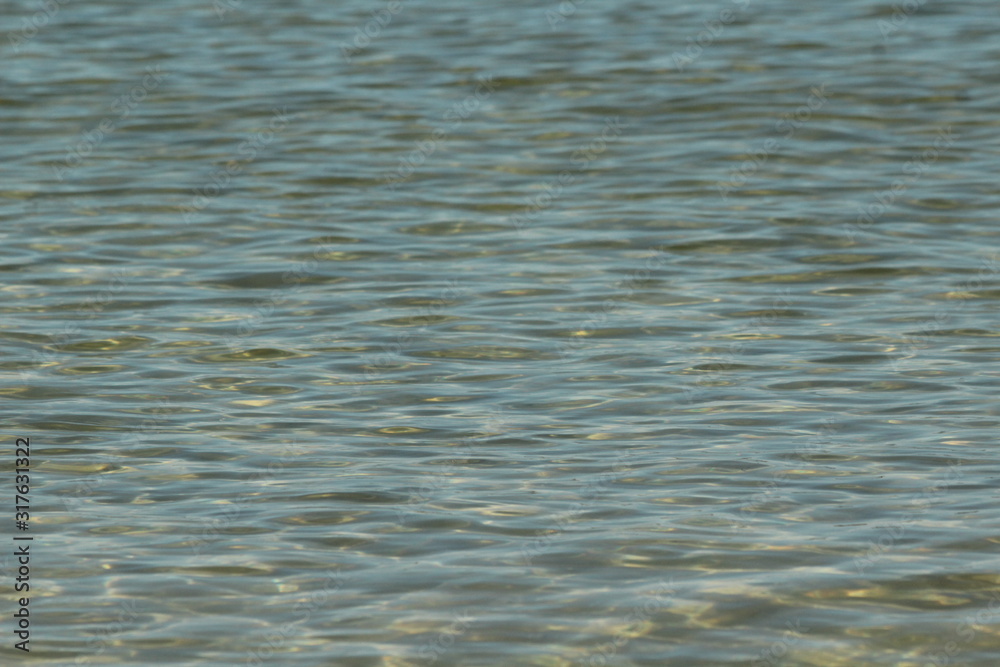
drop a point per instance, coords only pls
(583, 333)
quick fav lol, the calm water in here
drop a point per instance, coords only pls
(518, 334)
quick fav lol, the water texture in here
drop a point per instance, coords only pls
(391, 334)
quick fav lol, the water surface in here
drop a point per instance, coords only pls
(528, 334)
